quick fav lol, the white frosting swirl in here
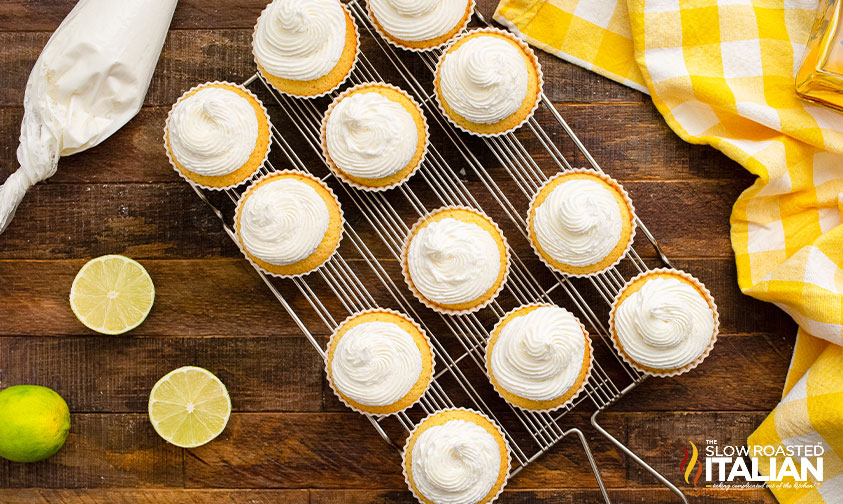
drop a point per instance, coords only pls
(539, 355)
(283, 221)
(213, 132)
(418, 20)
(579, 223)
(457, 462)
(484, 80)
(370, 136)
(666, 324)
(300, 39)
(453, 262)
(376, 363)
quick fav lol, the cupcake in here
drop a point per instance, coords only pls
(455, 260)
(488, 82)
(217, 135)
(420, 26)
(664, 322)
(581, 222)
(288, 223)
(539, 357)
(305, 48)
(374, 136)
(456, 456)
(379, 362)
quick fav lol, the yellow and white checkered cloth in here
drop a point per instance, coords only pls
(722, 74)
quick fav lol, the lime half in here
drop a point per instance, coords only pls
(112, 294)
(189, 407)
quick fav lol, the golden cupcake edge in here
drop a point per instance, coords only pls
(423, 45)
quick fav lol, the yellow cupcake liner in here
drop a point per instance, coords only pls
(406, 272)
(404, 454)
(587, 374)
(329, 91)
(524, 47)
(324, 142)
(613, 183)
(167, 130)
(257, 183)
(403, 316)
(706, 295)
(395, 43)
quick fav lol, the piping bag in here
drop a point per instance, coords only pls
(90, 80)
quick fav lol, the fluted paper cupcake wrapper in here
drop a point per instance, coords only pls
(527, 50)
(612, 182)
(324, 141)
(256, 183)
(406, 272)
(587, 374)
(167, 129)
(309, 97)
(492, 422)
(706, 295)
(403, 316)
(389, 39)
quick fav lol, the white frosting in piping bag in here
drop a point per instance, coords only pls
(376, 363)
(213, 132)
(370, 136)
(89, 80)
(453, 262)
(283, 221)
(666, 324)
(300, 39)
(418, 20)
(457, 462)
(539, 355)
(579, 223)
(485, 79)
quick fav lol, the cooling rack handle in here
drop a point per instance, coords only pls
(638, 460)
(591, 461)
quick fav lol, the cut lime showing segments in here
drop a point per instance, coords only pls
(189, 407)
(112, 294)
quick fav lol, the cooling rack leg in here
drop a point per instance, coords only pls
(636, 458)
(591, 461)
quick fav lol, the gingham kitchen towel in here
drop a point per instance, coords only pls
(721, 73)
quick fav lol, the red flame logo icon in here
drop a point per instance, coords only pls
(687, 466)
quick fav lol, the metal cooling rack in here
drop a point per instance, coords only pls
(336, 290)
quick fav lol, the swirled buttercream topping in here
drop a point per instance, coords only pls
(418, 20)
(283, 221)
(376, 363)
(539, 355)
(666, 324)
(453, 262)
(457, 462)
(213, 132)
(579, 223)
(485, 79)
(300, 39)
(370, 136)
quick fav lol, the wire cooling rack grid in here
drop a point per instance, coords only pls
(336, 290)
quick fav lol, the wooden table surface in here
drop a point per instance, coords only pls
(289, 439)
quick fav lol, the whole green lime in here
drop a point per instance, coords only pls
(34, 422)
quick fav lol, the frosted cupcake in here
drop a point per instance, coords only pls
(288, 223)
(581, 222)
(538, 357)
(374, 136)
(420, 25)
(217, 135)
(488, 82)
(305, 48)
(664, 322)
(379, 362)
(456, 456)
(455, 260)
